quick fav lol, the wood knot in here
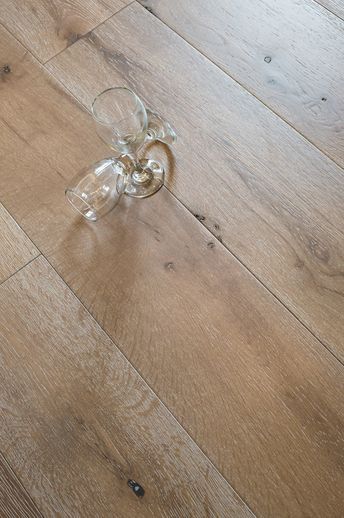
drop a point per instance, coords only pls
(299, 263)
(169, 266)
(72, 38)
(319, 251)
(137, 489)
(6, 69)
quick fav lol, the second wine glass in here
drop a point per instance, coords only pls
(122, 123)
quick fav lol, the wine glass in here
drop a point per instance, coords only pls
(97, 189)
(122, 122)
(159, 129)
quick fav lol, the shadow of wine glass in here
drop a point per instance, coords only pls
(162, 153)
(105, 261)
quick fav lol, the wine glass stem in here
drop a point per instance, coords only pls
(139, 174)
(136, 166)
(151, 135)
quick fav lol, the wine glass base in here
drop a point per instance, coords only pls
(159, 129)
(147, 181)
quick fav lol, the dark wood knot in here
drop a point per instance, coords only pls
(6, 69)
(137, 489)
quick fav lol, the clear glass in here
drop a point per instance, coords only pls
(96, 190)
(122, 123)
(159, 129)
(121, 120)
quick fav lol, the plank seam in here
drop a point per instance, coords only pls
(241, 85)
(210, 232)
(21, 485)
(82, 36)
(260, 282)
(236, 493)
(24, 265)
(19, 42)
(328, 10)
(68, 46)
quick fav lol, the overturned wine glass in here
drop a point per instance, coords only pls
(97, 189)
(122, 122)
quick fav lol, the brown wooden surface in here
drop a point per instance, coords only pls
(273, 199)
(46, 27)
(14, 501)
(261, 396)
(48, 126)
(16, 249)
(79, 422)
(286, 52)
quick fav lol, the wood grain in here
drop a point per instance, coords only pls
(79, 422)
(14, 501)
(46, 27)
(49, 125)
(273, 199)
(335, 6)
(16, 248)
(256, 391)
(288, 53)
(252, 387)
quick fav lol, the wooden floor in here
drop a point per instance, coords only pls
(192, 342)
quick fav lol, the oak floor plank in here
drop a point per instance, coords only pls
(288, 53)
(49, 124)
(258, 393)
(335, 6)
(272, 198)
(78, 422)
(254, 389)
(46, 27)
(14, 501)
(16, 249)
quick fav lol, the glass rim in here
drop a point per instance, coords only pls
(68, 193)
(138, 103)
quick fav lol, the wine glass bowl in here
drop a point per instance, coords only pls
(121, 119)
(97, 189)
(122, 123)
